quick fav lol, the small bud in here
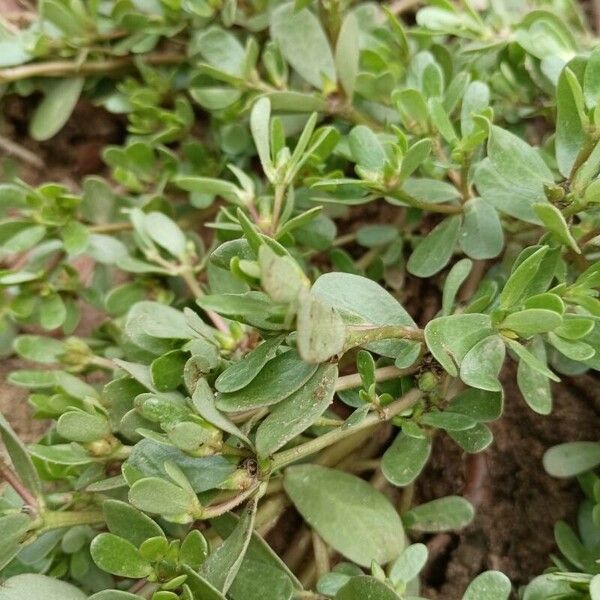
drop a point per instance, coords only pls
(428, 381)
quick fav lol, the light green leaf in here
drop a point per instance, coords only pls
(19, 457)
(519, 280)
(297, 412)
(221, 49)
(531, 321)
(223, 564)
(409, 563)
(367, 151)
(29, 586)
(455, 278)
(404, 460)
(434, 251)
(443, 514)
(204, 402)
(166, 233)
(118, 556)
(260, 119)
(160, 497)
(571, 121)
(535, 386)
(491, 585)
(304, 44)
(127, 522)
(349, 514)
(450, 338)
(280, 378)
(572, 458)
(516, 161)
(321, 330)
(79, 426)
(55, 109)
(361, 301)
(481, 365)
(554, 221)
(481, 233)
(366, 588)
(347, 51)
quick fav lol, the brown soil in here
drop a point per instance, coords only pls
(518, 502)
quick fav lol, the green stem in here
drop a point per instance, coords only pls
(287, 457)
(65, 68)
(217, 510)
(448, 209)
(277, 206)
(349, 382)
(58, 519)
(359, 336)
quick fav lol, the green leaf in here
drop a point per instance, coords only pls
(240, 373)
(481, 233)
(367, 151)
(475, 100)
(409, 563)
(491, 585)
(571, 121)
(29, 586)
(473, 440)
(221, 49)
(39, 348)
(480, 405)
(532, 361)
(280, 378)
(575, 350)
(55, 109)
(223, 564)
(194, 549)
(297, 412)
(554, 221)
(19, 457)
(167, 370)
(448, 420)
(443, 514)
(347, 53)
(260, 119)
(203, 399)
(349, 514)
(79, 426)
(156, 320)
(404, 460)
(517, 284)
(163, 231)
(516, 161)
(303, 44)
(256, 581)
(119, 557)
(366, 588)
(482, 364)
(572, 458)
(591, 79)
(202, 472)
(127, 522)
(531, 321)
(449, 339)
(113, 595)
(280, 276)
(258, 550)
(455, 278)
(361, 301)
(535, 386)
(13, 528)
(161, 497)
(200, 587)
(321, 330)
(414, 157)
(434, 251)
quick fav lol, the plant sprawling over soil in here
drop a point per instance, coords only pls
(320, 233)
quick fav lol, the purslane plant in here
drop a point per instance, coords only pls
(273, 363)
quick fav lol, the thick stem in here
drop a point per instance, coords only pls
(58, 519)
(349, 382)
(13, 480)
(359, 336)
(220, 509)
(194, 287)
(65, 68)
(287, 457)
